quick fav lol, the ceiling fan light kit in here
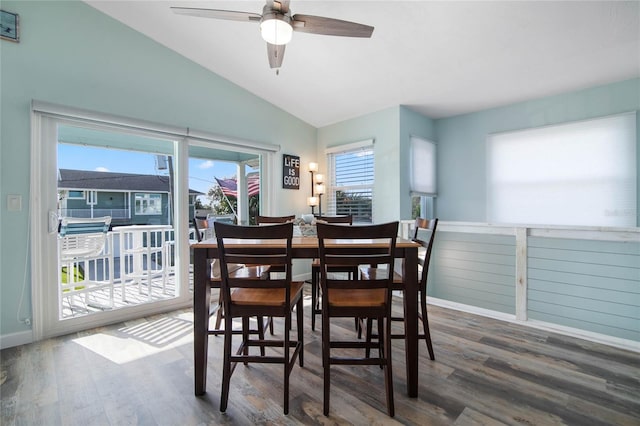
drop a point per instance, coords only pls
(277, 25)
(276, 28)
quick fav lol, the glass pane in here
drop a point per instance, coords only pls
(132, 263)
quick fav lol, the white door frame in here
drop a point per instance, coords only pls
(45, 119)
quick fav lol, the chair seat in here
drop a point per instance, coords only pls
(265, 296)
(357, 297)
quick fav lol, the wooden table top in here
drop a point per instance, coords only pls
(308, 242)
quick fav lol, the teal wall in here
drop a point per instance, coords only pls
(390, 129)
(383, 127)
(411, 124)
(462, 139)
(73, 55)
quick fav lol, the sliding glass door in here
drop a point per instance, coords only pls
(128, 192)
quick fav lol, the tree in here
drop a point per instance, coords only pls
(199, 206)
(221, 204)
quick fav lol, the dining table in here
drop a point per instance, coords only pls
(302, 248)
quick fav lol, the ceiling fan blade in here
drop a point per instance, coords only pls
(330, 26)
(230, 15)
(276, 54)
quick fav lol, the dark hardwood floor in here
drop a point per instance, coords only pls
(486, 372)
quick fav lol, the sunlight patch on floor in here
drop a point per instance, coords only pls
(141, 338)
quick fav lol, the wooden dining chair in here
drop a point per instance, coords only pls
(315, 268)
(424, 234)
(244, 298)
(357, 297)
(201, 227)
(257, 272)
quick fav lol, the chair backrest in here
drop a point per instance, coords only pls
(422, 227)
(347, 219)
(200, 224)
(260, 220)
(381, 253)
(82, 237)
(236, 245)
(77, 225)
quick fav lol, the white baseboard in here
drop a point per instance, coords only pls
(617, 342)
(16, 339)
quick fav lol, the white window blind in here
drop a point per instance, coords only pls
(580, 173)
(423, 167)
(351, 175)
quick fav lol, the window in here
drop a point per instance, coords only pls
(76, 195)
(422, 179)
(92, 198)
(148, 204)
(581, 173)
(351, 175)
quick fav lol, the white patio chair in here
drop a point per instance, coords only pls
(81, 246)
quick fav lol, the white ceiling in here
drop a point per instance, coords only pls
(440, 58)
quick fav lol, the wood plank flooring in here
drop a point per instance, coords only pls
(486, 372)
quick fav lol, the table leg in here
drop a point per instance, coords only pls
(411, 319)
(201, 300)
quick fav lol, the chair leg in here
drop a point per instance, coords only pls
(300, 324)
(425, 324)
(287, 356)
(314, 297)
(220, 312)
(226, 367)
(388, 376)
(245, 336)
(260, 322)
(326, 351)
(368, 334)
(381, 342)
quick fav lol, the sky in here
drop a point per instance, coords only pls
(79, 157)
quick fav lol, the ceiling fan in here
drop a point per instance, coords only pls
(277, 25)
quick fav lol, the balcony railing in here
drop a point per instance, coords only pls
(89, 213)
(134, 267)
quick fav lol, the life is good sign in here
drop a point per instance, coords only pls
(290, 171)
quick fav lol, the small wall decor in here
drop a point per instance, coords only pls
(290, 171)
(9, 26)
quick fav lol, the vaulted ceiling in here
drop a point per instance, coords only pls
(440, 58)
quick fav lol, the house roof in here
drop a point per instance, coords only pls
(110, 181)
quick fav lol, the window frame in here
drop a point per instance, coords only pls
(332, 153)
(148, 197)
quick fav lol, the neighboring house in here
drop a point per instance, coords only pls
(130, 199)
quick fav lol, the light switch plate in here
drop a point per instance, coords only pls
(14, 203)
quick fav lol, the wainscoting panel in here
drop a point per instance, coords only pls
(589, 285)
(474, 269)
